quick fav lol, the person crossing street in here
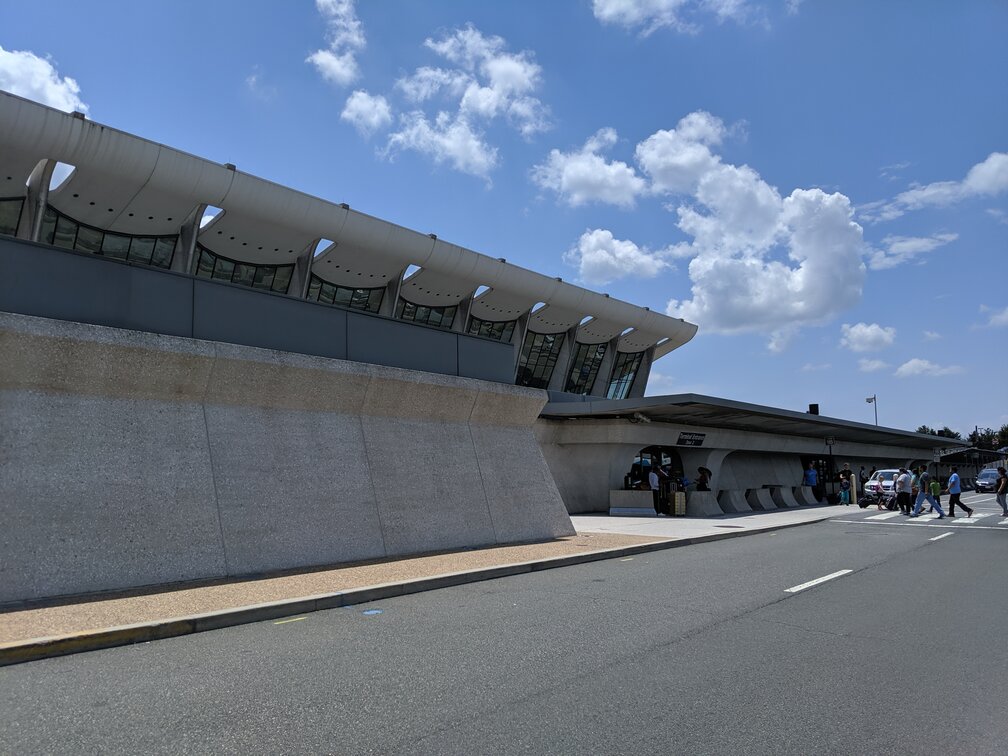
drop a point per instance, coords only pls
(954, 492)
(923, 483)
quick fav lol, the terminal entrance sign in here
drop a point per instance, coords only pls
(691, 439)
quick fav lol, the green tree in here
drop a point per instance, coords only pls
(949, 433)
(1003, 436)
(929, 431)
(983, 438)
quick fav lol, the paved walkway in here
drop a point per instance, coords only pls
(94, 622)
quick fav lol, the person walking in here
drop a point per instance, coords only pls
(1002, 491)
(846, 484)
(902, 488)
(924, 494)
(954, 491)
(655, 491)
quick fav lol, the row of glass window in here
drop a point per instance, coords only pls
(267, 277)
(10, 214)
(500, 330)
(368, 300)
(439, 317)
(623, 374)
(539, 352)
(539, 357)
(61, 230)
(584, 367)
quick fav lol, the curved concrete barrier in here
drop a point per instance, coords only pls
(783, 497)
(804, 495)
(759, 498)
(733, 501)
(702, 504)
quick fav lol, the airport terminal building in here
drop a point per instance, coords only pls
(205, 374)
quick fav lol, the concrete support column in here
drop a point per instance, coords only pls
(391, 296)
(30, 225)
(518, 338)
(601, 384)
(461, 322)
(640, 380)
(302, 272)
(184, 260)
(559, 378)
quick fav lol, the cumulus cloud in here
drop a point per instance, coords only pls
(367, 113)
(585, 176)
(446, 140)
(345, 34)
(997, 318)
(985, 179)
(486, 84)
(931, 335)
(865, 337)
(679, 15)
(815, 367)
(27, 75)
(601, 258)
(760, 261)
(872, 366)
(901, 249)
(917, 366)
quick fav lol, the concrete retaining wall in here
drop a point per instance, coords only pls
(702, 504)
(733, 502)
(759, 498)
(783, 497)
(129, 459)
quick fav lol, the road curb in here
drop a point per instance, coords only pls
(17, 652)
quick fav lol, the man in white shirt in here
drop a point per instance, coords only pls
(903, 490)
(655, 491)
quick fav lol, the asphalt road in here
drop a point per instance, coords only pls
(694, 650)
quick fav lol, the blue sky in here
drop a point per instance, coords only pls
(821, 186)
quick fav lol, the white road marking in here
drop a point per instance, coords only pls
(911, 524)
(817, 581)
(939, 537)
(886, 516)
(970, 520)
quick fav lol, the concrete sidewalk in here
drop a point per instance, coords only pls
(87, 623)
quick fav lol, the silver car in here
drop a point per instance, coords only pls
(881, 481)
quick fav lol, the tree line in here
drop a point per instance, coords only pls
(981, 438)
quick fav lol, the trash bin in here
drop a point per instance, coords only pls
(679, 504)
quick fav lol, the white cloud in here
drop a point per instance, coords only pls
(864, 337)
(27, 75)
(917, 366)
(258, 87)
(488, 84)
(998, 214)
(367, 113)
(585, 176)
(676, 159)
(601, 258)
(985, 179)
(792, 6)
(931, 336)
(680, 15)
(902, 249)
(998, 318)
(345, 33)
(872, 366)
(815, 367)
(447, 139)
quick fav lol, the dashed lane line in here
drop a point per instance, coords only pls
(817, 581)
(939, 537)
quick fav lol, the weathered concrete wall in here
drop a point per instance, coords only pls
(129, 459)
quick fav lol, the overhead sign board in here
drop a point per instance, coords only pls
(830, 440)
(691, 439)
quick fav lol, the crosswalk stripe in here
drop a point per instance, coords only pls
(885, 516)
(970, 520)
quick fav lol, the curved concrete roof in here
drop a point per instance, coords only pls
(124, 183)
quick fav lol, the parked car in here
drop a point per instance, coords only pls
(881, 482)
(986, 481)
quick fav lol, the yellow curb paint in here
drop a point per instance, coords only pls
(284, 622)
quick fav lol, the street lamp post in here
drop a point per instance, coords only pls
(873, 400)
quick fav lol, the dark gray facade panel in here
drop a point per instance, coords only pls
(399, 344)
(50, 283)
(36, 279)
(485, 359)
(238, 315)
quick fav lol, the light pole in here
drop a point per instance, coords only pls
(873, 400)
